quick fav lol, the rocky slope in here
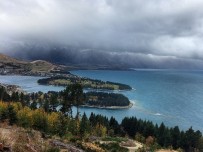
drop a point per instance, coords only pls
(17, 139)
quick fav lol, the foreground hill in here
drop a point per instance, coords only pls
(9, 65)
(18, 139)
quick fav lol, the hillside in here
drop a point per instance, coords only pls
(14, 138)
(7, 59)
(18, 139)
(9, 65)
(43, 66)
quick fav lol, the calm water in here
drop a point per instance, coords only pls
(169, 96)
(172, 97)
(28, 83)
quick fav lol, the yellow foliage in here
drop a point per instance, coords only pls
(17, 106)
(25, 117)
(3, 105)
(100, 130)
(39, 113)
(53, 120)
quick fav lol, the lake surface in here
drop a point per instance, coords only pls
(169, 96)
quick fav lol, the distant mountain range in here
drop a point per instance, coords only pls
(52, 62)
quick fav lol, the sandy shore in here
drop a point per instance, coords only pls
(109, 107)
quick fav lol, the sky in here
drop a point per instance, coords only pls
(129, 33)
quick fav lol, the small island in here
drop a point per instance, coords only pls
(106, 100)
(87, 83)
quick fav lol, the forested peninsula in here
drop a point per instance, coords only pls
(87, 83)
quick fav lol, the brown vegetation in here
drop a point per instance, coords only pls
(9, 65)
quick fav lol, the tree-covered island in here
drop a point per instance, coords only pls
(87, 83)
(89, 99)
(107, 100)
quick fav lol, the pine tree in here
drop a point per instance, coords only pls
(84, 126)
(161, 135)
(22, 99)
(167, 138)
(2, 92)
(175, 133)
(62, 125)
(77, 95)
(33, 105)
(114, 125)
(53, 102)
(15, 96)
(66, 104)
(72, 95)
(12, 115)
(46, 106)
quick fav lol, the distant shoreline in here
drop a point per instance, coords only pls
(109, 107)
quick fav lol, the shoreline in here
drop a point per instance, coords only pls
(10, 88)
(47, 75)
(16, 88)
(109, 107)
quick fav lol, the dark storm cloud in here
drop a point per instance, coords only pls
(134, 33)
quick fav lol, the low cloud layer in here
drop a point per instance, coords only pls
(132, 33)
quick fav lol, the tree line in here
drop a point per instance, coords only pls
(106, 99)
(51, 100)
(77, 128)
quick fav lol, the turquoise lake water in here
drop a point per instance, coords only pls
(169, 96)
